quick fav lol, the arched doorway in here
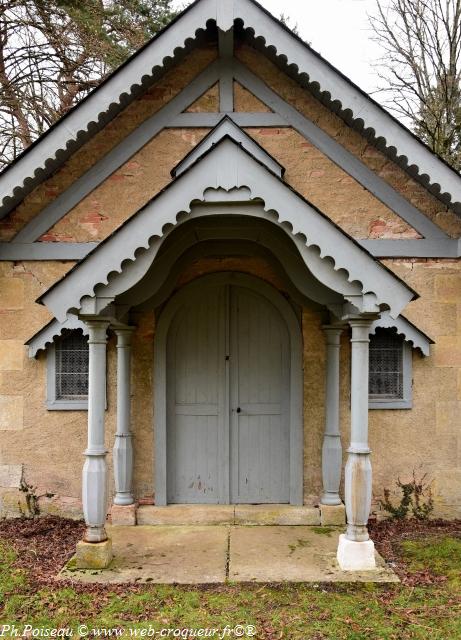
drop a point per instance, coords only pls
(228, 411)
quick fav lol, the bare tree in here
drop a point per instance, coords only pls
(421, 69)
(53, 52)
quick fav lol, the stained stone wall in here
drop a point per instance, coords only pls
(45, 447)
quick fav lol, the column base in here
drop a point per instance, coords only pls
(330, 498)
(123, 515)
(123, 499)
(355, 556)
(93, 555)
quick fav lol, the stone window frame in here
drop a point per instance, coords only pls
(52, 402)
(406, 402)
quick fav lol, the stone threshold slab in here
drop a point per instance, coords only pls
(190, 514)
(224, 554)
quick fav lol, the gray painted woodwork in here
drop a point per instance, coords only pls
(406, 329)
(45, 336)
(259, 401)
(331, 448)
(117, 156)
(45, 250)
(171, 115)
(192, 238)
(423, 248)
(94, 477)
(212, 389)
(197, 401)
(123, 446)
(228, 128)
(357, 476)
(409, 149)
(338, 154)
(226, 81)
(121, 86)
(449, 248)
(241, 118)
(226, 46)
(94, 107)
(228, 173)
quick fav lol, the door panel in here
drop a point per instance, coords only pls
(259, 379)
(228, 400)
(195, 404)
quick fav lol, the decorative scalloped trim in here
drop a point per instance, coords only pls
(347, 115)
(52, 331)
(286, 224)
(168, 206)
(93, 126)
(404, 329)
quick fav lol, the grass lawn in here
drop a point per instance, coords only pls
(427, 604)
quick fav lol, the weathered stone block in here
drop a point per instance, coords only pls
(447, 351)
(448, 287)
(356, 556)
(332, 515)
(11, 413)
(123, 515)
(447, 417)
(184, 514)
(10, 475)
(93, 555)
(12, 504)
(11, 293)
(249, 514)
(11, 355)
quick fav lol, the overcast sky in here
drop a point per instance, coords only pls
(338, 30)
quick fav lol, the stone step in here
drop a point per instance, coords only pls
(240, 514)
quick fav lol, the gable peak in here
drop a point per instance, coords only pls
(227, 128)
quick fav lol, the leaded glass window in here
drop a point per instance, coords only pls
(386, 366)
(72, 366)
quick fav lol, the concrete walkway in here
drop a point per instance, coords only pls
(217, 554)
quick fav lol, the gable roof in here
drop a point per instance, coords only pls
(228, 127)
(296, 57)
(221, 170)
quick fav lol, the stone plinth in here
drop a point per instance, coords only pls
(356, 556)
(93, 555)
(124, 515)
(332, 515)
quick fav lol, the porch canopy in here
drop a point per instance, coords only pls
(228, 196)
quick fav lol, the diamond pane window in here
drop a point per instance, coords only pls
(72, 366)
(386, 366)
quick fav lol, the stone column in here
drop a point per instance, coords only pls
(123, 447)
(332, 450)
(94, 485)
(356, 550)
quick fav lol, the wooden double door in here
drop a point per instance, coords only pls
(228, 399)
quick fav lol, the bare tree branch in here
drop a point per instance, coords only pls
(53, 52)
(421, 68)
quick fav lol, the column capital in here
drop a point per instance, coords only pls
(363, 319)
(124, 335)
(333, 333)
(97, 329)
(360, 326)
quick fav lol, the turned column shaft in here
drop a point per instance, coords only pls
(123, 447)
(358, 479)
(331, 449)
(94, 479)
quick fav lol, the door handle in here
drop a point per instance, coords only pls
(238, 410)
